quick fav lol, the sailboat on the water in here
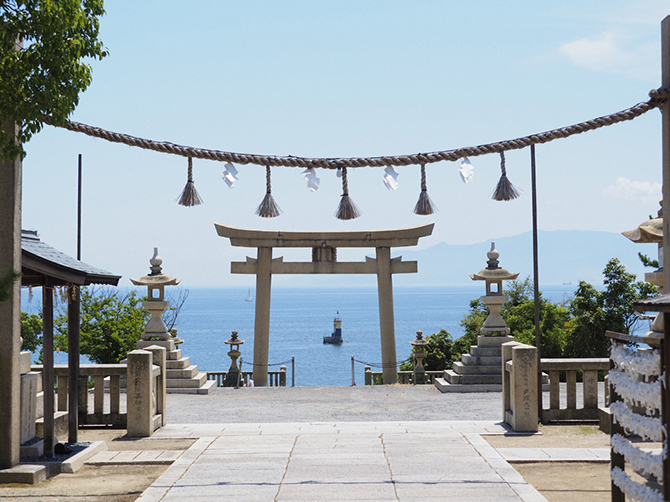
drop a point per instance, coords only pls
(249, 298)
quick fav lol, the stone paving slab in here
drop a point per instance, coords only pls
(130, 457)
(385, 461)
(555, 454)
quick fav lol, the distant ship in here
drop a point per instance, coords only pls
(249, 298)
(336, 337)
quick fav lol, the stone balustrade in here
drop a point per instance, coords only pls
(589, 367)
(144, 408)
(275, 378)
(404, 377)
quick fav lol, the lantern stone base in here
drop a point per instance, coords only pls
(478, 371)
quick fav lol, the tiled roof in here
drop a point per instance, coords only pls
(57, 261)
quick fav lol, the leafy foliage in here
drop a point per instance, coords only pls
(568, 329)
(110, 325)
(7, 283)
(42, 47)
(647, 262)
(31, 331)
(594, 312)
(438, 352)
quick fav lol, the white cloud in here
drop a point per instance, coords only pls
(611, 52)
(644, 191)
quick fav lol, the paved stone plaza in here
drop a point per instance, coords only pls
(381, 461)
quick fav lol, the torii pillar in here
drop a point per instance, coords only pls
(324, 261)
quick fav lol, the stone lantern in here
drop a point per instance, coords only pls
(155, 332)
(233, 375)
(419, 353)
(494, 298)
(651, 231)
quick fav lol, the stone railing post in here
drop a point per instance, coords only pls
(140, 395)
(520, 395)
(159, 359)
(282, 376)
(368, 375)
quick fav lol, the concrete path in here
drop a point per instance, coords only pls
(337, 461)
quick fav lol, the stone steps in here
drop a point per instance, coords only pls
(455, 378)
(188, 372)
(444, 386)
(196, 381)
(206, 388)
(465, 369)
(470, 360)
(174, 364)
(484, 351)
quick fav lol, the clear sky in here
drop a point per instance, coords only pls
(349, 78)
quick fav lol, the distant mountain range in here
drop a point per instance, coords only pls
(565, 256)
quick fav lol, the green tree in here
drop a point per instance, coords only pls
(595, 312)
(471, 324)
(110, 324)
(43, 44)
(31, 331)
(438, 353)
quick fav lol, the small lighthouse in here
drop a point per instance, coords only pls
(336, 337)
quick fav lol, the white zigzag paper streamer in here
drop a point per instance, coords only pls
(636, 363)
(642, 461)
(647, 394)
(634, 490)
(645, 427)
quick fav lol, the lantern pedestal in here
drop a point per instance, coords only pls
(481, 369)
(181, 376)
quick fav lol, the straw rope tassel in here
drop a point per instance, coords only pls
(424, 205)
(268, 208)
(189, 196)
(504, 190)
(347, 209)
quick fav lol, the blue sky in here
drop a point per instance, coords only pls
(349, 78)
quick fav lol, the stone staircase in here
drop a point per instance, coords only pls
(182, 377)
(478, 371)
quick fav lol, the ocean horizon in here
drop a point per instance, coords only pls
(300, 317)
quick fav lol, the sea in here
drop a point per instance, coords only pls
(300, 317)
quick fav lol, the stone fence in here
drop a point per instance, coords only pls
(589, 367)
(520, 389)
(404, 377)
(275, 378)
(145, 394)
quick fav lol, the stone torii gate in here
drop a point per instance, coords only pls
(324, 261)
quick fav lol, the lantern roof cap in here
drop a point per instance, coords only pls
(493, 272)
(156, 277)
(648, 231)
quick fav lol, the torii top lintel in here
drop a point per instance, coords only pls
(336, 239)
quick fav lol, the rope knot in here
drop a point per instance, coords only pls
(660, 94)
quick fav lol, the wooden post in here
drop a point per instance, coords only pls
(48, 366)
(386, 316)
(616, 459)
(262, 320)
(665, 118)
(10, 311)
(665, 132)
(73, 361)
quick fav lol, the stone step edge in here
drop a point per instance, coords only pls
(443, 386)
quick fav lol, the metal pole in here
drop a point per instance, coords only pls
(536, 282)
(79, 211)
(293, 371)
(353, 377)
